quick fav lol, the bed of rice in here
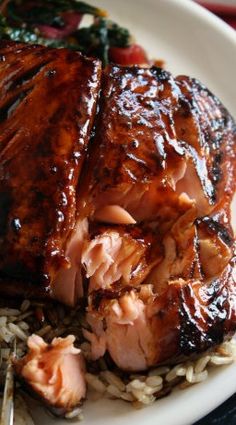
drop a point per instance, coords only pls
(103, 379)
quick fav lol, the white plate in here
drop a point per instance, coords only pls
(193, 42)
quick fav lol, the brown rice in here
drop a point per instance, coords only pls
(139, 389)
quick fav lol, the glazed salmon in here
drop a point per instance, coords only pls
(141, 329)
(47, 106)
(161, 144)
(116, 187)
(185, 305)
(55, 372)
(208, 133)
(131, 162)
(193, 249)
(164, 151)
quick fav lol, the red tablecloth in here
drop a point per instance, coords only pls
(227, 12)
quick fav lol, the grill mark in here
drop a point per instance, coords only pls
(6, 137)
(216, 172)
(7, 110)
(196, 334)
(218, 228)
(28, 75)
(9, 143)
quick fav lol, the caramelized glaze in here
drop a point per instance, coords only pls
(47, 104)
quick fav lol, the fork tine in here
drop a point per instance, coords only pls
(7, 415)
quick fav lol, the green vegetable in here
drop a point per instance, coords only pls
(21, 18)
(29, 36)
(118, 36)
(99, 37)
(47, 12)
(17, 34)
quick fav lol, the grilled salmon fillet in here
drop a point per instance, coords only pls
(131, 162)
(164, 152)
(47, 105)
(161, 145)
(184, 305)
(117, 188)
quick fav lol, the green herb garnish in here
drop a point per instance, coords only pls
(21, 18)
(99, 37)
(47, 12)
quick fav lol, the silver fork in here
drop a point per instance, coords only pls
(7, 414)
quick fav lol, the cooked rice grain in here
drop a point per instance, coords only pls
(24, 306)
(154, 381)
(17, 331)
(95, 383)
(9, 312)
(201, 363)
(113, 379)
(139, 389)
(219, 360)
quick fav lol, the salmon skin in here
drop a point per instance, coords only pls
(47, 105)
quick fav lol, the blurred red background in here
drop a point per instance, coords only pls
(226, 10)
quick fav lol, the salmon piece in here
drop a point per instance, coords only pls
(113, 214)
(208, 135)
(48, 102)
(55, 372)
(131, 162)
(181, 259)
(141, 329)
(185, 305)
(119, 255)
(126, 323)
(216, 244)
(67, 286)
(141, 227)
(193, 249)
(161, 144)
